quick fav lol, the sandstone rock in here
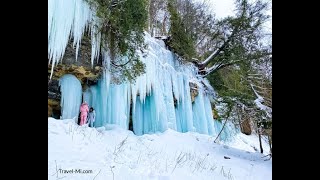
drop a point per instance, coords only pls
(82, 68)
(193, 91)
(245, 127)
(53, 107)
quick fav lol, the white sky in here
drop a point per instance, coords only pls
(224, 8)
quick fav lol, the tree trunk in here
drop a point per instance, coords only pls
(216, 67)
(202, 65)
(214, 55)
(270, 141)
(261, 149)
(164, 32)
(221, 130)
(239, 119)
(241, 128)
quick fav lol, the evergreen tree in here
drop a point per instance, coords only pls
(122, 31)
(180, 40)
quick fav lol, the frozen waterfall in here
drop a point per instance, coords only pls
(150, 102)
(71, 96)
(158, 100)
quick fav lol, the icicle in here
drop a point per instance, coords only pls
(69, 19)
(95, 39)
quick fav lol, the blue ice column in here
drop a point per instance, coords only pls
(71, 96)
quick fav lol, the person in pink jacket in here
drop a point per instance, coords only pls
(84, 109)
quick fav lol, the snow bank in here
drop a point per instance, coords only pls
(110, 152)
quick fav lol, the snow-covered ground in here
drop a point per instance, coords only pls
(115, 153)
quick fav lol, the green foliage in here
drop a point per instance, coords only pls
(130, 74)
(265, 124)
(243, 32)
(229, 82)
(181, 41)
(122, 27)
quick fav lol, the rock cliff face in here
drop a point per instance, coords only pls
(81, 68)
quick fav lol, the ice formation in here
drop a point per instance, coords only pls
(70, 19)
(158, 100)
(71, 96)
(150, 102)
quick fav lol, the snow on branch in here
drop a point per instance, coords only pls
(259, 102)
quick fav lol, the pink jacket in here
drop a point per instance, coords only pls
(84, 109)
